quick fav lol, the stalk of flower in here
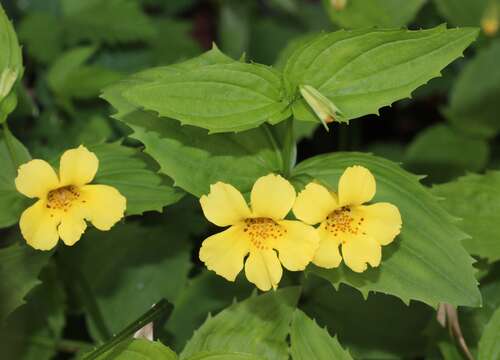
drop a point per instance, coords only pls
(359, 230)
(261, 232)
(66, 201)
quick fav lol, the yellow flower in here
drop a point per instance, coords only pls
(258, 231)
(359, 229)
(65, 201)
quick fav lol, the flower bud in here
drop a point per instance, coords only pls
(490, 19)
(324, 109)
(7, 105)
(339, 4)
(7, 80)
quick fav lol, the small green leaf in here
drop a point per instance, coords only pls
(19, 269)
(476, 200)
(426, 261)
(219, 97)
(111, 21)
(258, 325)
(139, 349)
(135, 176)
(462, 12)
(460, 153)
(225, 356)
(489, 345)
(368, 13)
(309, 341)
(11, 61)
(363, 70)
(12, 203)
(473, 104)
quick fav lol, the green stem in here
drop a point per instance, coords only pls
(289, 148)
(9, 141)
(163, 307)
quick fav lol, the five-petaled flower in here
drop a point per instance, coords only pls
(66, 201)
(360, 230)
(258, 231)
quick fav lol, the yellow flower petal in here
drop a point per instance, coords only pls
(314, 203)
(72, 227)
(104, 206)
(36, 178)
(38, 227)
(328, 255)
(356, 186)
(360, 250)
(78, 166)
(382, 221)
(224, 252)
(272, 197)
(297, 248)
(224, 205)
(263, 269)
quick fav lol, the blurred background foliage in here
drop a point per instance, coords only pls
(74, 48)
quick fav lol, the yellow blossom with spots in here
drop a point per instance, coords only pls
(259, 231)
(66, 200)
(359, 230)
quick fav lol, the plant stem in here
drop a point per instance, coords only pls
(289, 148)
(10, 144)
(159, 309)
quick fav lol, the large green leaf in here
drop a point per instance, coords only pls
(139, 349)
(220, 97)
(476, 199)
(462, 12)
(473, 104)
(379, 327)
(135, 176)
(225, 356)
(12, 203)
(309, 341)
(367, 13)
(111, 21)
(258, 325)
(462, 154)
(11, 62)
(132, 267)
(236, 159)
(19, 269)
(426, 262)
(361, 71)
(489, 345)
(33, 330)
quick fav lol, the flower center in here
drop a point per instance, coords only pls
(62, 198)
(262, 230)
(342, 221)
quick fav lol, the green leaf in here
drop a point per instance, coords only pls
(111, 21)
(379, 327)
(12, 203)
(258, 325)
(473, 104)
(42, 34)
(368, 13)
(309, 341)
(426, 261)
(19, 269)
(33, 330)
(236, 159)
(361, 71)
(11, 61)
(489, 345)
(69, 77)
(131, 267)
(135, 176)
(139, 349)
(206, 293)
(220, 97)
(462, 12)
(476, 200)
(225, 356)
(462, 154)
